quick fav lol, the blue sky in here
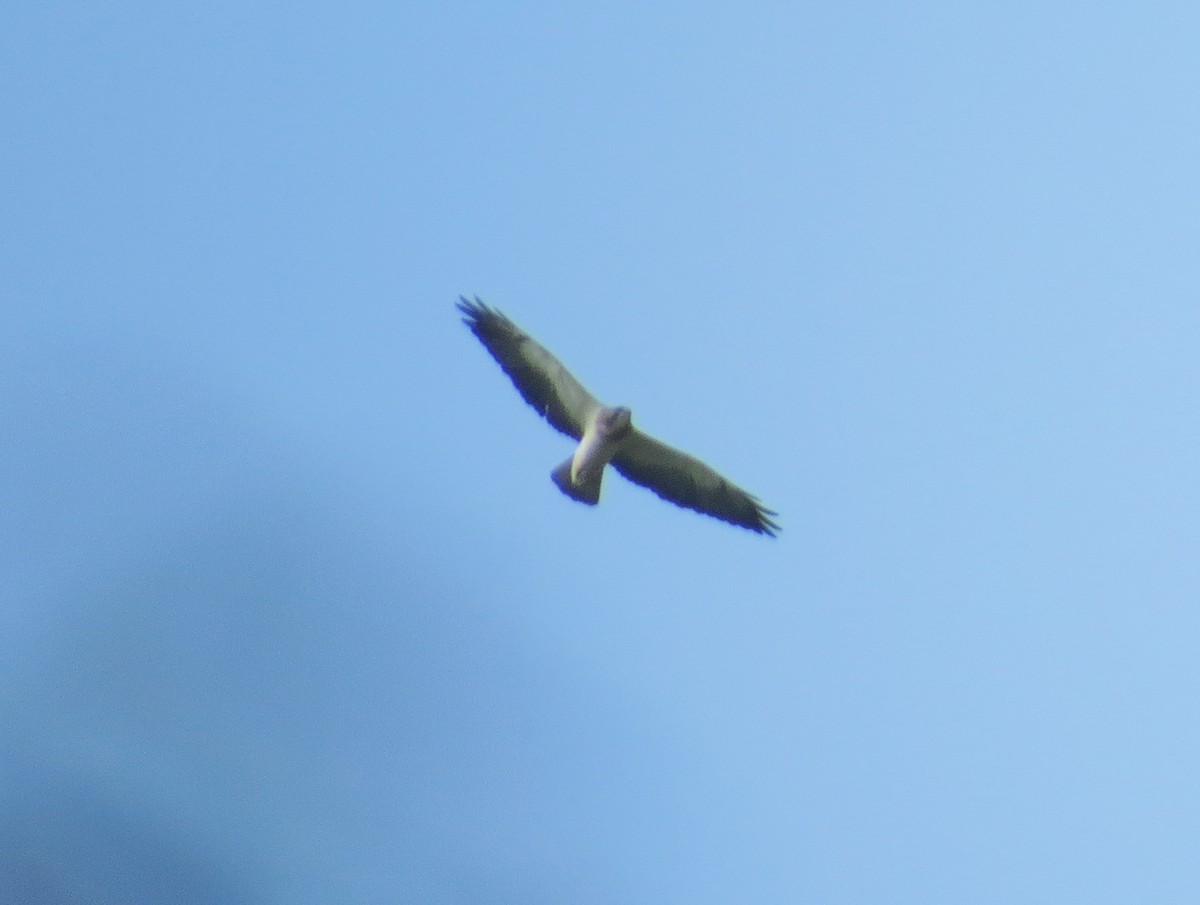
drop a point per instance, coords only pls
(291, 609)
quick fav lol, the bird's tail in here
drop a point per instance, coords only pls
(587, 491)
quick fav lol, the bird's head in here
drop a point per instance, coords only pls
(617, 420)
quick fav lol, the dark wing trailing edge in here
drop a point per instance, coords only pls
(540, 378)
(686, 481)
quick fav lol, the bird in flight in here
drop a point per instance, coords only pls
(606, 434)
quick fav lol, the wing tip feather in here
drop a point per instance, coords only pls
(487, 323)
(475, 310)
(764, 521)
(767, 526)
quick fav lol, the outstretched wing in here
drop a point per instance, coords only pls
(539, 377)
(686, 481)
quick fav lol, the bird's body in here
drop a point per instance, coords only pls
(579, 477)
(606, 434)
